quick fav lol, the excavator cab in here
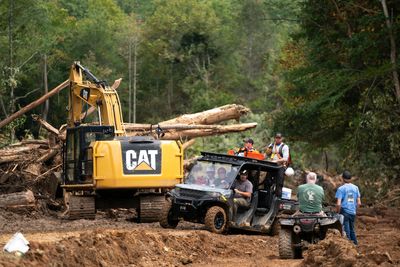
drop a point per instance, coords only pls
(77, 156)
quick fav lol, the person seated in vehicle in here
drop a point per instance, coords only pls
(211, 180)
(222, 178)
(243, 189)
(311, 196)
(201, 180)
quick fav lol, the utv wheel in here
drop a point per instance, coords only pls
(215, 220)
(166, 220)
(275, 227)
(286, 249)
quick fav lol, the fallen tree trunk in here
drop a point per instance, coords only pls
(215, 130)
(17, 199)
(34, 104)
(212, 116)
(50, 154)
(149, 127)
(45, 124)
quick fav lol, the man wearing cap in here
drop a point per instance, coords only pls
(248, 147)
(243, 189)
(210, 175)
(348, 198)
(278, 151)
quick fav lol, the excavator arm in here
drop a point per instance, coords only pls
(86, 89)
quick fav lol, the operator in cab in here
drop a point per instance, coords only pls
(243, 189)
(311, 196)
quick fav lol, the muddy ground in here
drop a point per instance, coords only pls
(115, 240)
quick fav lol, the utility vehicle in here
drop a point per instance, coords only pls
(208, 199)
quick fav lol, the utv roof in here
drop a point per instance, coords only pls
(237, 160)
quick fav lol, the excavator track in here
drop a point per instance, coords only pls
(81, 207)
(150, 208)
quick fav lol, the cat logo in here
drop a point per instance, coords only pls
(144, 160)
(141, 158)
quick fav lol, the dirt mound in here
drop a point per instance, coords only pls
(141, 248)
(332, 251)
(335, 250)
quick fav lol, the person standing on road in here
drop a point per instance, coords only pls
(348, 198)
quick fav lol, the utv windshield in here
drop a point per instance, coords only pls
(213, 174)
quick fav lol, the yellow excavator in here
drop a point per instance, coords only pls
(102, 167)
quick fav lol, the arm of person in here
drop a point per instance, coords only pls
(338, 205)
(244, 194)
(358, 198)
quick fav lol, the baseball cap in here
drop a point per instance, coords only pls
(249, 141)
(346, 175)
(244, 172)
(279, 135)
(210, 169)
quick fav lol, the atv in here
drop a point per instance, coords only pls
(212, 203)
(298, 231)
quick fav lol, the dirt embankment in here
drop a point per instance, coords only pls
(149, 247)
(118, 242)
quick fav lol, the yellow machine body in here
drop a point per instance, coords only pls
(124, 164)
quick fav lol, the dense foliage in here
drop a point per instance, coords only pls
(319, 71)
(339, 89)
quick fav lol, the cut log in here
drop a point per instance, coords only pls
(197, 130)
(34, 104)
(45, 124)
(17, 150)
(212, 116)
(49, 155)
(136, 127)
(17, 199)
(188, 144)
(222, 129)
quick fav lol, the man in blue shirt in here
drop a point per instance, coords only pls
(348, 199)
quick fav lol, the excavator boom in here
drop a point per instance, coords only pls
(95, 93)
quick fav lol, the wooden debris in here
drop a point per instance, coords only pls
(212, 116)
(17, 199)
(188, 144)
(34, 104)
(45, 124)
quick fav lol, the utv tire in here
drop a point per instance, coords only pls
(286, 249)
(165, 217)
(275, 227)
(216, 220)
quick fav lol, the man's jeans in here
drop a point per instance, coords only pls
(348, 224)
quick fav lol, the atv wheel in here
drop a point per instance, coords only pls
(286, 249)
(165, 217)
(215, 220)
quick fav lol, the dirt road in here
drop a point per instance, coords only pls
(118, 242)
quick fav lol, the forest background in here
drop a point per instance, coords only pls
(322, 72)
